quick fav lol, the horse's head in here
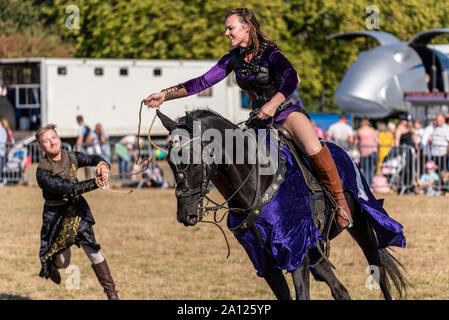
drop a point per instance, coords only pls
(186, 159)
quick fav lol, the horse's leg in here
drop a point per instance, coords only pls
(323, 271)
(364, 235)
(301, 280)
(277, 283)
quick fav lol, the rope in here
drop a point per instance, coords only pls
(106, 188)
(145, 163)
(149, 130)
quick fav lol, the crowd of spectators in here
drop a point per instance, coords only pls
(426, 149)
(370, 147)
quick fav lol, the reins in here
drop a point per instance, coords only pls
(205, 210)
(219, 206)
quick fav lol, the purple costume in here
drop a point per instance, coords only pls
(285, 223)
(267, 73)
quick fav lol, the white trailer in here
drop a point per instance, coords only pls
(108, 91)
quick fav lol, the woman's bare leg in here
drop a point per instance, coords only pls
(303, 133)
(305, 137)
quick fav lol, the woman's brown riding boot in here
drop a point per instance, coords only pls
(104, 277)
(324, 166)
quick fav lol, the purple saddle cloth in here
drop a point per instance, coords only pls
(286, 224)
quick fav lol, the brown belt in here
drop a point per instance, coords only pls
(53, 203)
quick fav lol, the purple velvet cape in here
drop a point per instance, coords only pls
(272, 58)
(286, 223)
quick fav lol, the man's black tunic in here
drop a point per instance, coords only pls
(67, 218)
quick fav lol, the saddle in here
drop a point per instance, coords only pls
(322, 204)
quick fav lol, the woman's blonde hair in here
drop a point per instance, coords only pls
(256, 33)
(364, 122)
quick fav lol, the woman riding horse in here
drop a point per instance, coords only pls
(271, 215)
(264, 72)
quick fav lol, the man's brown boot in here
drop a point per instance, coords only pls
(104, 277)
(324, 166)
(55, 276)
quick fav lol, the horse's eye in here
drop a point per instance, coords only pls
(181, 176)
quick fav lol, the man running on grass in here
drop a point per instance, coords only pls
(67, 219)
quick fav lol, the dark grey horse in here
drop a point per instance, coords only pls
(241, 181)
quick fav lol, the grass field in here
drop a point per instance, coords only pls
(152, 256)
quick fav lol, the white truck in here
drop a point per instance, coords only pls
(107, 91)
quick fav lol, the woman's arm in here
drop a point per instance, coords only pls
(356, 140)
(190, 87)
(376, 137)
(268, 110)
(211, 77)
(103, 138)
(397, 137)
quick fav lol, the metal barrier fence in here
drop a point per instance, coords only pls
(18, 163)
(403, 168)
(398, 168)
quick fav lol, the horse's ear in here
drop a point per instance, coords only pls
(168, 123)
(189, 122)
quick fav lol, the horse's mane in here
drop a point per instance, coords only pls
(198, 115)
(201, 113)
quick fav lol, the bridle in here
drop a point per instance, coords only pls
(203, 190)
(188, 191)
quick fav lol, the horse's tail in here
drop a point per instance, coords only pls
(394, 270)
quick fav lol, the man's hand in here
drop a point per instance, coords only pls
(103, 174)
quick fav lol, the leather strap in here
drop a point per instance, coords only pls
(55, 203)
(175, 92)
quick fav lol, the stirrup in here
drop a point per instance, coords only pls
(350, 225)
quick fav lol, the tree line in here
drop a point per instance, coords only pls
(194, 29)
